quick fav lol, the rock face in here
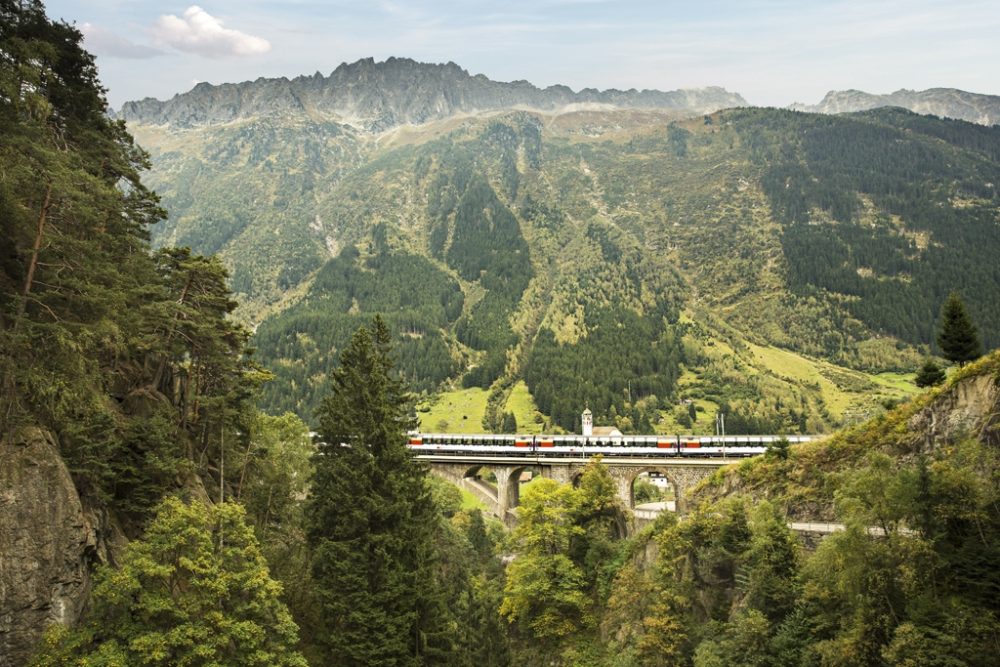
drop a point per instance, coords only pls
(379, 96)
(944, 102)
(46, 544)
(970, 408)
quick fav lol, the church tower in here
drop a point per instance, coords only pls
(587, 421)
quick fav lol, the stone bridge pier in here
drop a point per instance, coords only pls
(501, 500)
(681, 478)
(505, 497)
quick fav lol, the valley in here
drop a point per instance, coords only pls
(223, 361)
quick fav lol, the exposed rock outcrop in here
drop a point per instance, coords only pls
(944, 102)
(379, 96)
(47, 543)
(968, 408)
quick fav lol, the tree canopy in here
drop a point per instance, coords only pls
(194, 591)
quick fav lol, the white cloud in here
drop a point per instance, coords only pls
(103, 42)
(199, 32)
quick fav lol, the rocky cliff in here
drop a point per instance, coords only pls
(944, 102)
(48, 541)
(379, 96)
(51, 538)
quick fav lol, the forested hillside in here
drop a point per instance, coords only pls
(715, 240)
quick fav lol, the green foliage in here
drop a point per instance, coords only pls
(509, 423)
(420, 299)
(819, 171)
(566, 550)
(445, 495)
(725, 576)
(623, 352)
(386, 592)
(908, 582)
(195, 590)
(130, 359)
(779, 448)
(645, 491)
(929, 375)
(958, 338)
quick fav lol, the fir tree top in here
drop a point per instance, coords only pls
(958, 338)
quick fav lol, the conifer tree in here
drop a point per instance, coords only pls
(929, 375)
(371, 520)
(958, 338)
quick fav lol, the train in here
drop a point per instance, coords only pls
(489, 444)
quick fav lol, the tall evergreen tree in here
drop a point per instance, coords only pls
(958, 338)
(371, 521)
(130, 361)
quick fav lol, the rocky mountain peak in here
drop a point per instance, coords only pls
(379, 95)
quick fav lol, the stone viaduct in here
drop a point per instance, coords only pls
(464, 470)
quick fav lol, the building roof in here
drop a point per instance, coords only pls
(606, 430)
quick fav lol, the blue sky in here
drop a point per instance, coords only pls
(774, 52)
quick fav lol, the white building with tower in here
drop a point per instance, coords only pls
(588, 429)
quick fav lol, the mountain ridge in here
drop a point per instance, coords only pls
(953, 103)
(380, 95)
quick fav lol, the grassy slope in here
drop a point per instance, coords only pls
(456, 411)
(522, 405)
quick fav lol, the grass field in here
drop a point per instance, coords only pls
(901, 382)
(458, 411)
(789, 365)
(842, 388)
(523, 406)
(470, 501)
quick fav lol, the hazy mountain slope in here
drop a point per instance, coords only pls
(835, 237)
(944, 102)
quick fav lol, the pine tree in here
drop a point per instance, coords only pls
(958, 338)
(509, 423)
(371, 520)
(929, 375)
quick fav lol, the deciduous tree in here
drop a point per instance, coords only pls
(195, 591)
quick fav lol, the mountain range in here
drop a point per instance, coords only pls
(378, 96)
(943, 102)
(538, 250)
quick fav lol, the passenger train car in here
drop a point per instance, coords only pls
(579, 445)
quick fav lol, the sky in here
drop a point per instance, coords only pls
(773, 52)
